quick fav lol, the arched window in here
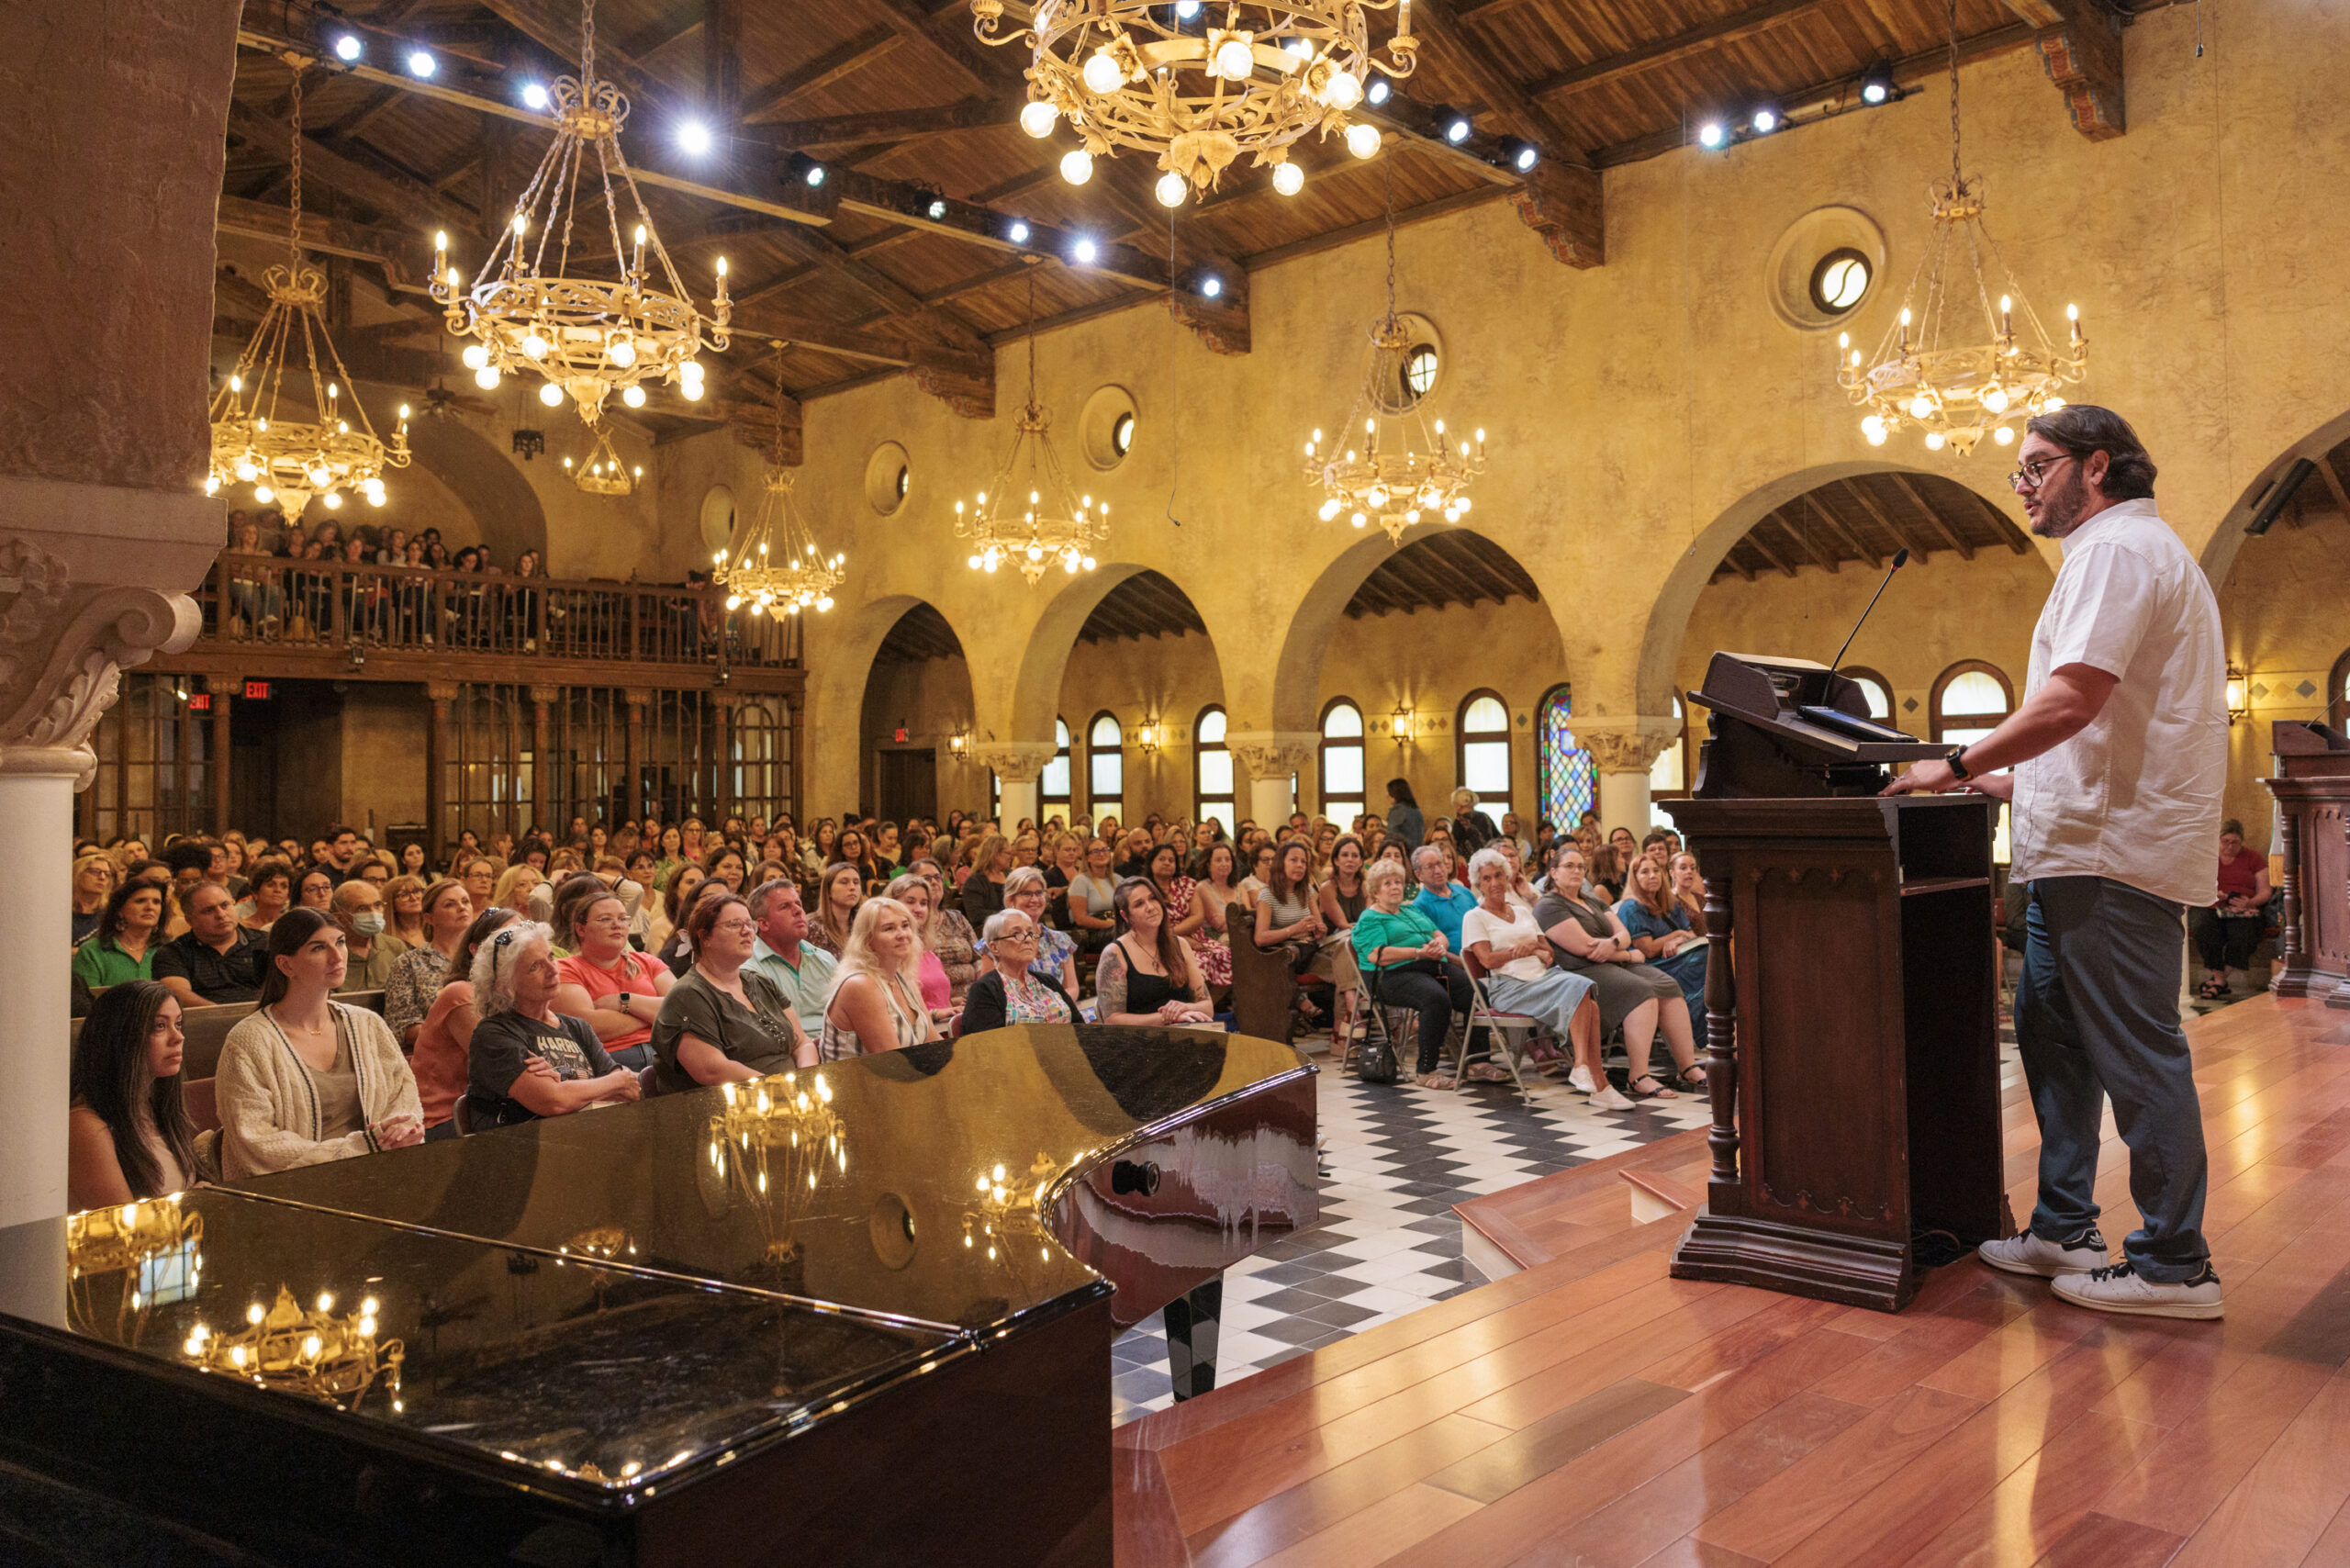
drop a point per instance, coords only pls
(1105, 766)
(1052, 788)
(1211, 769)
(1342, 792)
(2337, 692)
(1669, 774)
(1482, 732)
(1875, 687)
(1562, 771)
(1970, 699)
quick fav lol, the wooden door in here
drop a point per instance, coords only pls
(908, 784)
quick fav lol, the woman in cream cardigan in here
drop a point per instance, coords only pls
(305, 1079)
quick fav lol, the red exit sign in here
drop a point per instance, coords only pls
(256, 691)
(899, 736)
(199, 702)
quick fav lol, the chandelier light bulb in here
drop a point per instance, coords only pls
(622, 352)
(1362, 140)
(333, 499)
(1343, 90)
(487, 378)
(1037, 117)
(2003, 435)
(475, 355)
(1087, 562)
(1921, 407)
(1360, 519)
(1234, 61)
(633, 396)
(1288, 178)
(248, 472)
(1994, 398)
(1170, 189)
(551, 395)
(1077, 165)
(534, 346)
(1874, 429)
(1329, 511)
(1102, 73)
(263, 494)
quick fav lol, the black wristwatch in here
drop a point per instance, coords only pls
(624, 1012)
(1957, 760)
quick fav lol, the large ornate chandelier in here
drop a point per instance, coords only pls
(603, 473)
(1197, 85)
(1406, 468)
(287, 461)
(1931, 369)
(589, 336)
(328, 1356)
(1049, 527)
(774, 562)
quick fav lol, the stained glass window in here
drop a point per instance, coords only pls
(1562, 771)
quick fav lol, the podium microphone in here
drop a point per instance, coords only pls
(1900, 559)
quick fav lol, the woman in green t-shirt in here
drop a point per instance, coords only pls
(1413, 963)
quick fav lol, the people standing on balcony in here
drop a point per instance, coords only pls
(524, 607)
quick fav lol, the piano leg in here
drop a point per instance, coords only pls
(1191, 1337)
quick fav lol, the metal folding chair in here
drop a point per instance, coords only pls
(1508, 1032)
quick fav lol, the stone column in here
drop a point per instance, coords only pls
(1018, 764)
(547, 802)
(219, 686)
(1623, 758)
(441, 693)
(640, 698)
(1271, 757)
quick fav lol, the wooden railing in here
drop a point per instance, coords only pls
(268, 600)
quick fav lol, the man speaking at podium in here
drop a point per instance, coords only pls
(2120, 753)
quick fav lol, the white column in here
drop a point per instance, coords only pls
(1270, 800)
(37, 836)
(1271, 757)
(1018, 766)
(1623, 758)
(1623, 801)
(1018, 799)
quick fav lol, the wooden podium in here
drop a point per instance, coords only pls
(1855, 1041)
(2313, 791)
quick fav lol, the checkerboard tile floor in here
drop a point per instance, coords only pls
(1395, 1159)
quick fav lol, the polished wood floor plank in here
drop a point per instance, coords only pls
(1690, 1552)
(2004, 1358)
(2175, 1488)
(1312, 1507)
(1741, 1345)
(2275, 1514)
(2101, 1541)
(1560, 1384)
(2038, 1503)
(1377, 1532)
(2174, 1382)
(1930, 1341)
(1144, 1532)
(1499, 1469)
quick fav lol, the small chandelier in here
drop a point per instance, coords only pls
(1398, 475)
(776, 563)
(604, 473)
(1198, 84)
(590, 337)
(1051, 526)
(329, 1357)
(1931, 370)
(289, 461)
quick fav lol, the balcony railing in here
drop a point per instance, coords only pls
(268, 600)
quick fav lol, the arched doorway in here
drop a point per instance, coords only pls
(914, 722)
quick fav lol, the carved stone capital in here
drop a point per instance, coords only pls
(1016, 762)
(1627, 751)
(1272, 754)
(63, 647)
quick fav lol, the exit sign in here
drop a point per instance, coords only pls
(256, 691)
(199, 702)
(899, 736)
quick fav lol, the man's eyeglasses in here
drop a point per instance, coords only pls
(2033, 474)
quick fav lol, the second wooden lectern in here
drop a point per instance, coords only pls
(2313, 791)
(1854, 1042)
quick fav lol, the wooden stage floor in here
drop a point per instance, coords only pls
(1591, 1411)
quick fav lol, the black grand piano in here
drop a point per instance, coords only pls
(859, 1314)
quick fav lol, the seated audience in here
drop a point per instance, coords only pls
(1134, 857)
(840, 889)
(725, 1022)
(1091, 920)
(123, 947)
(419, 974)
(514, 887)
(1213, 872)
(1633, 995)
(1412, 965)
(1662, 932)
(615, 988)
(442, 1061)
(876, 1003)
(949, 935)
(267, 895)
(1341, 897)
(1017, 988)
(2226, 934)
(404, 908)
(1472, 829)
(95, 876)
(1066, 854)
(218, 960)
(983, 891)
(799, 969)
(479, 874)
(358, 908)
(128, 1133)
(1440, 897)
(1522, 976)
(305, 1079)
(1055, 951)
(1148, 975)
(526, 1061)
(1164, 867)
(937, 993)
(1287, 917)
(316, 890)
(676, 901)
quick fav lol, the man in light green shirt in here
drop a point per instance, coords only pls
(804, 974)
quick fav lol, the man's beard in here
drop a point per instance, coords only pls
(2060, 511)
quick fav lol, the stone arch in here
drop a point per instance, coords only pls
(2220, 554)
(483, 478)
(1036, 689)
(1669, 616)
(837, 687)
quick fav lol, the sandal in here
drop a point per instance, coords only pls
(1655, 1090)
(2212, 990)
(1692, 1078)
(1434, 1080)
(1486, 1073)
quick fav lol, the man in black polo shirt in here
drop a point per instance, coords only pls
(218, 960)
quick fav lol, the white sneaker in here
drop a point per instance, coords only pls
(2024, 1253)
(1608, 1099)
(1580, 1080)
(2119, 1289)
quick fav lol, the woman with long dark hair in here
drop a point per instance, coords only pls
(129, 1137)
(1148, 975)
(123, 947)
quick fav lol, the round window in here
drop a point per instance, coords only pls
(889, 475)
(903, 478)
(1122, 434)
(1838, 280)
(1419, 369)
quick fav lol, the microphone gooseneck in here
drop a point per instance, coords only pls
(1900, 559)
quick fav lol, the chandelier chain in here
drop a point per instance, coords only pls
(1951, 10)
(1391, 239)
(293, 229)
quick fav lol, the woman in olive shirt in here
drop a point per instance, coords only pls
(724, 1021)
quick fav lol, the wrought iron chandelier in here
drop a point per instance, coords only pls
(287, 461)
(1406, 468)
(589, 336)
(774, 562)
(1931, 370)
(603, 473)
(1050, 526)
(1198, 86)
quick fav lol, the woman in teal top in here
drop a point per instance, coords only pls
(1415, 962)
(1660, 929)
(123, 947)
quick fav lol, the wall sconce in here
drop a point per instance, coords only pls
(2239, 695)
(960, 743)
(1147, 735)
(1402, 722)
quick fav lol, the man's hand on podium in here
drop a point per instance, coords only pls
(1935, 777)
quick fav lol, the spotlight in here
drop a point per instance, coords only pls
(694, 137)
(1765, 118)
(534, 96)
(1877, 85)
(1712, 134)
(1376, 94)
(1186, 9)
(1454, 125)
(347, 47)
(1018, 232)
(1521, 155)
(938, 208)
(422, 63)
(815, 174)
(1211, 286)
(1085, 251)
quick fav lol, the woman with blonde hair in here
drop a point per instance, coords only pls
(95, 876)
(1054, 954)
(876, 1003)
(839, 891)
(514, 885)
(914, 890)
(404, 910)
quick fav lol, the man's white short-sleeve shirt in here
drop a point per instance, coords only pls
(2136, 795)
